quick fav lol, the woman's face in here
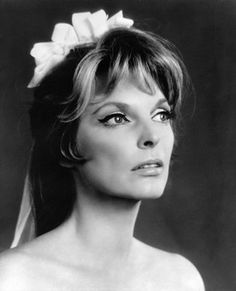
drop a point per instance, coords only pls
(127, 141)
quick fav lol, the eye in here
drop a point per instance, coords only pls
(163, 116)
(114, 119)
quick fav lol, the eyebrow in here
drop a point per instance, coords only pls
(124, 106)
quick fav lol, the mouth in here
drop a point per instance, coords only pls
(150, 164)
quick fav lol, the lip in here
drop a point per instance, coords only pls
(153, 165)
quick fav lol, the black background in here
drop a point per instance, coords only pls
(197, 215)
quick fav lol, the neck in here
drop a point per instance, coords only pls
(103, 224)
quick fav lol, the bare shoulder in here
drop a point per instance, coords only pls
(34, 265)
(189, 276)
(27, 267)
(171, 271)
(13, 270)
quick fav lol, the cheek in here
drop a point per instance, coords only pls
(171, 142)
(100, 147)
(107, 160)
(168, 142)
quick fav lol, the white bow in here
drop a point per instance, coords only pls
(86, 28)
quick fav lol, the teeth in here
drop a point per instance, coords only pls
(149, 166)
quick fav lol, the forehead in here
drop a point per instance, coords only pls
(127, 94)
(126, 89)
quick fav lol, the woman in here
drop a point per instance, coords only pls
(103, 122)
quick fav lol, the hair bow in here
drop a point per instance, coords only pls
(86, 28)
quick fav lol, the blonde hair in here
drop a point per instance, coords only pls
(151, 59)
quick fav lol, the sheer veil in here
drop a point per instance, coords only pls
(25, 226)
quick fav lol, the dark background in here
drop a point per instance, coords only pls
(197, 215)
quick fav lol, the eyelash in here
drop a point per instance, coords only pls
(113, 115)
(169, 115)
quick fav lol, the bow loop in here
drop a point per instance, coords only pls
(118, 20)
(81, 27)
(86, 28)
(98, 23)
(64, 33)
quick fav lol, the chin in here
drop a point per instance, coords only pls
(142, 195)
(149, 188)
(150, 193)
(141, 191)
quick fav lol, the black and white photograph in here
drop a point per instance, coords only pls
(117, 145)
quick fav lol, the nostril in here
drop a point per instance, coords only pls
(148, 143)
(148, 139)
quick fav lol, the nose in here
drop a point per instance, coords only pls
(148, 137)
